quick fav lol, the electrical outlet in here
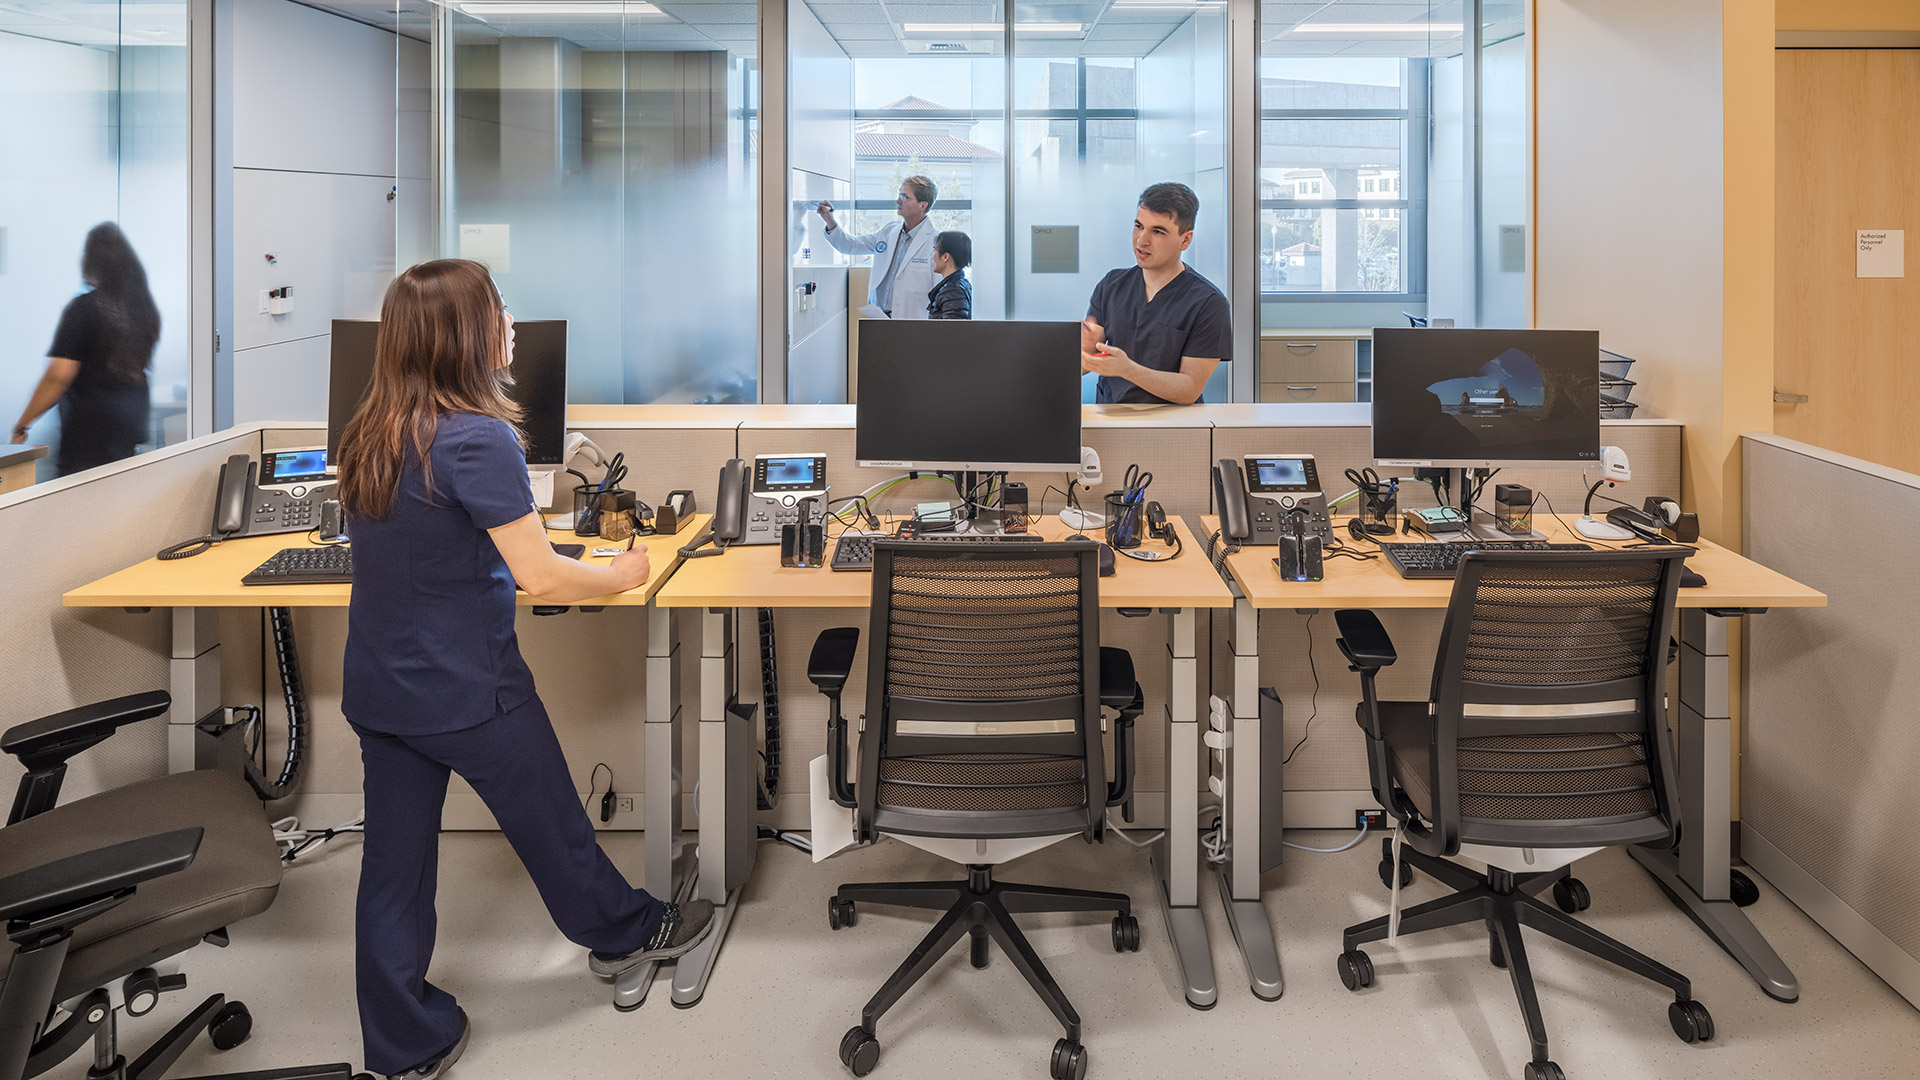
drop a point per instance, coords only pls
(623, 804)
(1369, 819)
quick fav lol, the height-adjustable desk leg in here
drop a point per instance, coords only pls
(1695, 874)
(193, 681)
(726, 803)
(1176, 855)
(669, 863)
(1244, 824)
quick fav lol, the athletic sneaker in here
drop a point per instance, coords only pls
(682, 926)
(434, 1070)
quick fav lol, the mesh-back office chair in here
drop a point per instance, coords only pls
(1545, 739)
(98, 891)
(985, 681)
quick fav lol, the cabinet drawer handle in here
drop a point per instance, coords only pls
(1303, 389)
(1303, 344)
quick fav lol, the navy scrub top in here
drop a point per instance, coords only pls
(1188, 317)
(430, 640)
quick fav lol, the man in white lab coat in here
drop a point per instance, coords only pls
(902, 252)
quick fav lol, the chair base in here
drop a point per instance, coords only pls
(1505, 902)
(979, 909)
(227, 1024)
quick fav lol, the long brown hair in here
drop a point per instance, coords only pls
(442, 341)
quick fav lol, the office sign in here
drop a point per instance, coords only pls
(1881, 253)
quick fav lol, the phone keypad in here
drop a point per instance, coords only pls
(285, 514)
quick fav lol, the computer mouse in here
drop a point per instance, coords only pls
(1106, 554)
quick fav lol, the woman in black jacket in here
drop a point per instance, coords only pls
(97, 365)
(952, 298)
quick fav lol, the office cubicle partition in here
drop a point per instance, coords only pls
(1830, 764)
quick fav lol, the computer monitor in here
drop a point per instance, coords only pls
(1469, 399)
(539, 382)
(958, 395)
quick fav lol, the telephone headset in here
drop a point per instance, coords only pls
(297, 482)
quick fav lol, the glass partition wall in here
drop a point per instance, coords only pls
(601, 158)
(93, 129)
(1393, 181)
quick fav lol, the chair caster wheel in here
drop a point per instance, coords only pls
(1741, 889)
(1386, 873)
(859, 1051)
(1069, 1060)
(1356, 970)
(1543, 1070)
(840, 913)
(1126, 933)
(230, 1026)
(1571, 895)
(1690, 1021)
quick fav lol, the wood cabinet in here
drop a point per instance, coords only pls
(1309, 365)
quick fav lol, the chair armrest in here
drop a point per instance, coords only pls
(51, 740)
(832, 659)
(1363, 640)
(1117, 684)
(95, 875)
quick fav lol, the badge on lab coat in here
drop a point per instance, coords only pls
(879, 247)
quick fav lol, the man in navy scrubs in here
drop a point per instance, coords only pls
(1155, 331)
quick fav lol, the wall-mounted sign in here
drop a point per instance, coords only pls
(487, 244)
(1056, 249)
(1881, 253)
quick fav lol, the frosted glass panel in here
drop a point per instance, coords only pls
(93, 118)
(604, 169)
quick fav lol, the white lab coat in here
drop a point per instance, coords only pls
(916, 276)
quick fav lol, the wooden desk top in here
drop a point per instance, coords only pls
(212, 578)
(753, 577)
(1733, 580)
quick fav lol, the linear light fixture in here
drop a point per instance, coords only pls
(609, 8)
(1377, 28)
(992, 28)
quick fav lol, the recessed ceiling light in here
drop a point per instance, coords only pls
(1377, 28)
(604, 8)
(992, 28)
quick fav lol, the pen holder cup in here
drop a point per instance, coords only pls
(619, 515)
(586, 510)
(1126, 523)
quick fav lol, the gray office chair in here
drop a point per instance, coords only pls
(102, 889)
(1544, 739)
(985, 683)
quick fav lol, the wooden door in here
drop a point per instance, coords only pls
(1848, 158)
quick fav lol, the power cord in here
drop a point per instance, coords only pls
(1308, 730)
(297, 840)
(593, 786)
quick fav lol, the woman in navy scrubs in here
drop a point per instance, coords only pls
(434, 484)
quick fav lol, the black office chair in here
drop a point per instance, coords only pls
(102, 889)
(985, 683)
(1544, 739)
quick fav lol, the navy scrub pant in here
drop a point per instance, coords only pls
(515, 764)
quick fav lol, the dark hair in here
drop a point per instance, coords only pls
(957, 246)
(1174, 200)
(130, 318)
(922, 188)
(442, 340)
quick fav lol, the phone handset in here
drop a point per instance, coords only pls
(729, 513)
(1230, 497)
(233, 498)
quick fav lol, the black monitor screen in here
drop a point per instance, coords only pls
(1462, 398)
(959, 395)
(539, 382)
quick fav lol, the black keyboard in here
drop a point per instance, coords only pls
(305, 566)
(1442, 559)
(856, 552)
